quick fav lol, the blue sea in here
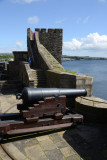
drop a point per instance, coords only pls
(95, 68)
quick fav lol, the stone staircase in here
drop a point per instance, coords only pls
(39, 78)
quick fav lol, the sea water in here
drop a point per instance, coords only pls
(95, 68)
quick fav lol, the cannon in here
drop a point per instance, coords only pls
(41, 109)
(33, 95)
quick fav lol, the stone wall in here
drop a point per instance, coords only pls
(26, 75)
(42, 57)
(93, 109)
(20, 55)
(21, 71)
(56, 75)
(13, 70)
(52, 41)
(67, 80)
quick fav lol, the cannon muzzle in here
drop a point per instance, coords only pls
(33, 95)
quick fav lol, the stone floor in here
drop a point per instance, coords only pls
(87, 141)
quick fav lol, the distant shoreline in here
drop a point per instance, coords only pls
(75, 58)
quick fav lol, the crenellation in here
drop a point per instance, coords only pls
(51, 30)
(58, 30)
(43, 30)
(37, 29)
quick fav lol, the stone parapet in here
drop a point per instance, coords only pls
(21, 71)
(20, 55)
(93, 108)
(67, 80)
(26, 75)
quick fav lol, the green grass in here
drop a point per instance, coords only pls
(54, 63)
(6, 56)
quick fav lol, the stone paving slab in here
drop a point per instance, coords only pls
(15, 152)
(84, 142)
(35, 153)
(55, 155)
(3, 155)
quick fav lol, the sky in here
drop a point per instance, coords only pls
(84, 24)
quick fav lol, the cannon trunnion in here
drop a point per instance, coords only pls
(42, 109)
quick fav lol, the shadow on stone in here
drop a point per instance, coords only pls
(88, 140)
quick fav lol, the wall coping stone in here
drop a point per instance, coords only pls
(93, 108)
(93, 101)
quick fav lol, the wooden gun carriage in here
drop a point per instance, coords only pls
(42, 109)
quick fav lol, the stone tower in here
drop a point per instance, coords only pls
(52, 41)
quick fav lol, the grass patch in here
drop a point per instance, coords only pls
(54, 63)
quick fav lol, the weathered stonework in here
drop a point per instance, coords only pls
(56, 75)
(52, 41)
(20, 56)
(21, 71)
(93, 108)
(66, 80)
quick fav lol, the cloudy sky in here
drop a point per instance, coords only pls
(84, 24)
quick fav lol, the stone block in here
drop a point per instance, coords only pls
(56, 138)
(61, 144)
(35, 153)
(15, 152)
(42, 138)
(93, 109)
(67, 151)
(54, 154)
(47, 145)
(74, 157)
(43, 30)
(51, 30)
(89, 81)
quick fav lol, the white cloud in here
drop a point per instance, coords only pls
(24, 1)
(60, 21)
(78, 20)
(92, 43)
(11, 49)
(82, 20)
(86, 19)
(73, 45)
(18, 46)
(102, 1)
(19, 43)
(33, 20)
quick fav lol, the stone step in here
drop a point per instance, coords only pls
(39, 83)
(39, 78)
(38, 75)
(38, 72)
(40, 86)
(41, 75)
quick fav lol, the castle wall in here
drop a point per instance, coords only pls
(56, 75)
(51, 39)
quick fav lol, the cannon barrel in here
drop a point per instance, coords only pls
(33, 95)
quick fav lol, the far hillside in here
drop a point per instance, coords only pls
(73, 58)
(6, 56)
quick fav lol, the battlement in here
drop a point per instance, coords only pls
(51, 39)
(50, 30)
